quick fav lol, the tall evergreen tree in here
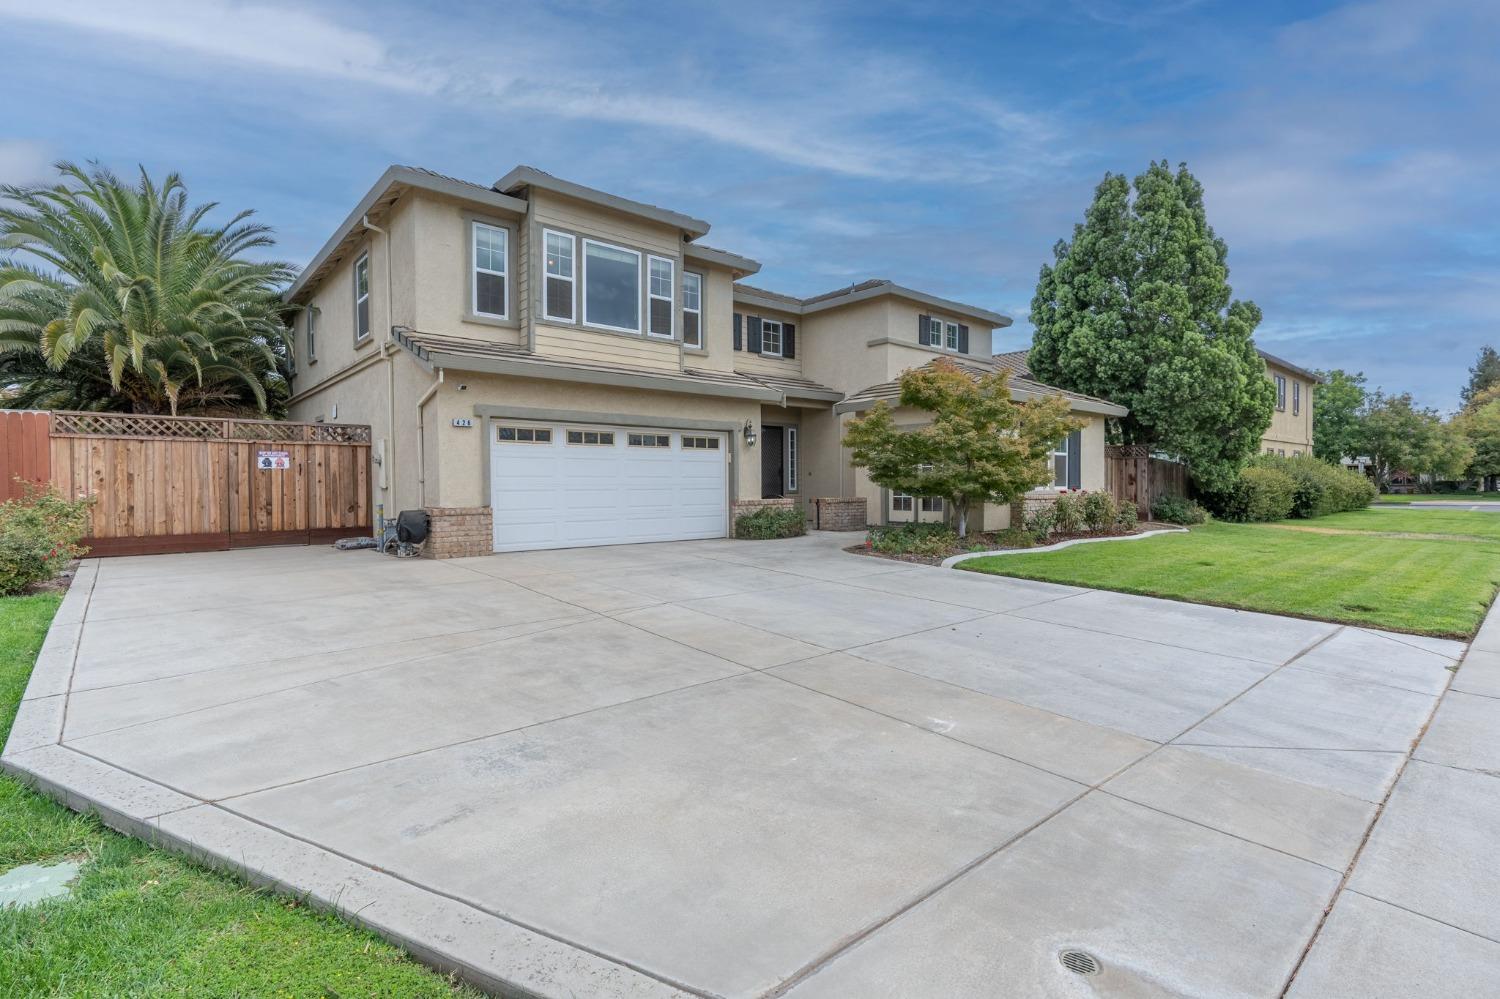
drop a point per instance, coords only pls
(1483, 375)
(1137, 308)
(1337, 405)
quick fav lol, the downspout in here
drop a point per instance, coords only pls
(388, 351)
(432, 389)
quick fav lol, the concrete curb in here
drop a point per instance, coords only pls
(485, 949)
(953, 560)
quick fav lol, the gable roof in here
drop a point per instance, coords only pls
(873, 288)
(1020, 387)
(529, 176)
(1300, 372)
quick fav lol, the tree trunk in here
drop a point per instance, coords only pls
(961, 507)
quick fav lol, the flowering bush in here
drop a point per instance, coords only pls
(1127, 516)
(1068, 513)
(1099, 512)
(39, 534)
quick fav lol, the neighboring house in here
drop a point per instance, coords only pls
(575, 368)
(1291, 431)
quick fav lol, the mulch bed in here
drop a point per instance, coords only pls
(992, 541)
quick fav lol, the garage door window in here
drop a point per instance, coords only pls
(700, 443)
(605, 438)
(523, 435)
(648, 440)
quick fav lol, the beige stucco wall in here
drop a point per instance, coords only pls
(1290, 432)
(439, 265)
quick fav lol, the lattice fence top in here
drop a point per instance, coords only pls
(204, 428)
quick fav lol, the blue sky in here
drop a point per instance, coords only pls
(1350, 152)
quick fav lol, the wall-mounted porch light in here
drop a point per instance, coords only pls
(749, 433)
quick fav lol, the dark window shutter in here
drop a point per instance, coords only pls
(963, 339)
(922, 336)
(739, 344)
(788, 340)
(1075, 472)
(752, 334)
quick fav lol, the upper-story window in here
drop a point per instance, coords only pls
(362, 298)
(942, 334)
(950, 336)
(692, 309)
(611, 287)
(1280, 393)
(312, 334)
(1296, 398)
(770, 337)
(489, 270)
(935, 332)
(660, 297)
(558, 301)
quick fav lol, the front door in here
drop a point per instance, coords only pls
(772, 462)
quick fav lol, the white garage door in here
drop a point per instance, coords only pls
(565, 486)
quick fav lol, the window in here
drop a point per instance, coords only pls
(692, 309)
(952, 336)
(312, 335)
(611, 287)
(699, 443)
(1296, 453)
(1296, 398)
(489, 271)
(770, 337)
(523, 435)
(660, 298)
(605, 438)
(1060, 465)
(901, 503)
(559, 286)
(1281, 452)
(930, 504)
(648, 440)
(935, 332)
(1280, 393)
(791, 459)
(362, 298)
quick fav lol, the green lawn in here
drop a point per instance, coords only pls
(1430, 497)
(143, 922)
(1430, 587)
(1392, 520)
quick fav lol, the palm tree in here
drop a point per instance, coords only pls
(132, 302)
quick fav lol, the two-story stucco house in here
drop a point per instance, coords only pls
(571, 368)
(1291, 431)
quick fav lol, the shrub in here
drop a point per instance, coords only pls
(1099, 512)
(1127, 517)
(914, 539)
(1068, 513)
(1320, 488)
(770, 522)
(1177, 510)
(1041, 523)
(39, 535)
(1260, 493)
(1015, 537)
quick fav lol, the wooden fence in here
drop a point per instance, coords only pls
(25, 455)
(1132, 475)
(175, 484)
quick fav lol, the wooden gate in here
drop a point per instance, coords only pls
(178, 484)
(1133, 475)
(24, 452)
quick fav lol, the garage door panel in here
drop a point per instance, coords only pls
(560, 495)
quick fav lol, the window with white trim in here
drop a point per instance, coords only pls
(930, 504)
(1296, 398)
(523, 435)
(362, 298)
(600, 438)
(901, 503)
(557, 301)
(1280, 393)
(488, 297)
(312, 334)
(660, 288)
(1060, 465)
(935, 332)
(770, 337)
(611, 287)
(648, 440)
(791, 459)
(699, 443)
(692, 309)
(951, 335)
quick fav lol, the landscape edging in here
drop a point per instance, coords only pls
(953, 560)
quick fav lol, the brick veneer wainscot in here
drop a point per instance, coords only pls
(840, 513)
(739, 508)
(459, 532)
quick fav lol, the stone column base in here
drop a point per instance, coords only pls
(459, 532)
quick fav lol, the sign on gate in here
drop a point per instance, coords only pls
(273, 459)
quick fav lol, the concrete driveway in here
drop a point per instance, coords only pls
(747, 768)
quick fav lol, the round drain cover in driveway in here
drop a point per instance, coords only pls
(1079, 962)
